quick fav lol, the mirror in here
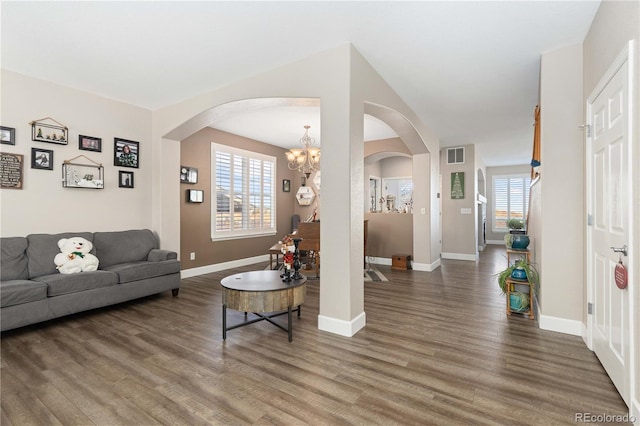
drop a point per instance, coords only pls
(398, 195)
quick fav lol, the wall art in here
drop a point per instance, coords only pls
(49, 130)
(7, 135)
(11, 166)
(126, 153)
(41, 159)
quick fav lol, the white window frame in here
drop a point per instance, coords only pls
(265, 228)
(525, 194)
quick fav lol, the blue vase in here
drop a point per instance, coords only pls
(519, 242)
(519, 274)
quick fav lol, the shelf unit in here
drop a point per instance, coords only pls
(512, 282)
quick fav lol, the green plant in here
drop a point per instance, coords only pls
(515, 224)
(521, 263)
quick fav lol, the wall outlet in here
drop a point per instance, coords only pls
(423, 211)
(192, 256)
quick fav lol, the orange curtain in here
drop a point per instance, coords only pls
(535, 157)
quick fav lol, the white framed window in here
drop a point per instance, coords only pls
(455, 155)
(243, 193)
(510, 199)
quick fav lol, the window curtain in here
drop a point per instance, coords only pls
(535, 157)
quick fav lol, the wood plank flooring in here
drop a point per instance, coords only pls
(437, 349)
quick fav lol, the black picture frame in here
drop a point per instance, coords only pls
(41, 159)
(123, 159)
(7, 135)
(188, 174)
(125, 179)
(195, 196)
(89, 143)
(286, 185)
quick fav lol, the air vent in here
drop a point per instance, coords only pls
(455, 155)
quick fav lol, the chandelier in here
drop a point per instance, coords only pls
(305, 159)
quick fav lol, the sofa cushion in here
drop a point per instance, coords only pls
(129, 272)
(17, 292)
(13, 259)
(44, 247)
(72, 283)
(113, 248)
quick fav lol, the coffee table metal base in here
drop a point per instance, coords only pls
(261, 317)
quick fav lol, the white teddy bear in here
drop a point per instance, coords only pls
(75, 256)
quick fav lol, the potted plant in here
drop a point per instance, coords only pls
(516, 226)
(519, 270)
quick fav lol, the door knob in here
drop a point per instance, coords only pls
(622, 249)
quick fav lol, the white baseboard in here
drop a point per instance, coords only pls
(461, 256)
(495, 242)
(379, 260)
(427, 267)
(561, 325)
(342, 327)
(193, 272)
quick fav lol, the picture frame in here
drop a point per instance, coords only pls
(195, 196)
(89, 143)
(188, 174)
(125, 179)
(7, 135)
(457, 185)
(50, 131)
(11, 170)
(126, 153)
(41, 159)
(286, 185)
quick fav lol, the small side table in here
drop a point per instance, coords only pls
(511, 283)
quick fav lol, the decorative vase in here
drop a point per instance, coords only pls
(519, 241)
(518, 301)
(519, 274)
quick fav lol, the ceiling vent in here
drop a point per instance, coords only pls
(455, 155)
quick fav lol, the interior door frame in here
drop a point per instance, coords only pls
(625, 58)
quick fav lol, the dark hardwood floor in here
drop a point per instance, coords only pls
(437, 349)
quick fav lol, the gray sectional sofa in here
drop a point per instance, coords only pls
(32, 290)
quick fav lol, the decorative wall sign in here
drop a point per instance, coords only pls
(126, 153)
(188, 174)
(41, 159)
(7, 135)
(457, 185)
(82, 175)
(125, 179)
(89, 143)
(49, 130)
(11, 170)
(620, 275)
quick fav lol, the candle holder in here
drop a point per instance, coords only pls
(296, 259)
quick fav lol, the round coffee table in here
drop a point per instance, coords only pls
(261, 292)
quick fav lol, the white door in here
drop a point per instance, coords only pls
(609, 190)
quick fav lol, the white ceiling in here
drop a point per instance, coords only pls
(469, 70)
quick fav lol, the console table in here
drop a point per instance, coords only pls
(262, 292)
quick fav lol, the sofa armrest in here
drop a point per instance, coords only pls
(158, 255)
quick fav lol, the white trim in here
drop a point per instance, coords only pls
(426, 267)
(499, 242)
(560, 325)
(342, 327)
(461, 256)
(379, 260)
(634, 411)
(194, 272)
